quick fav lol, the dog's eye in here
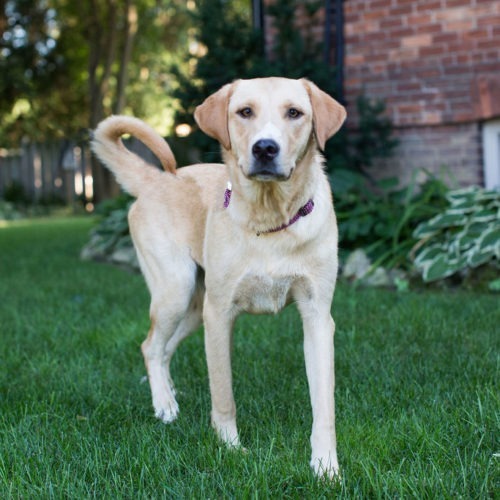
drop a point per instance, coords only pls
(245, 112)
(294, 113)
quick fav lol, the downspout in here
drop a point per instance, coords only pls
(258, 24)
(258, 15)
(339, 43)
(328, 31)
(339, 48)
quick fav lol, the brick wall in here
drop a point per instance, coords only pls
(432, 61)
(452, 152)
(436, 64)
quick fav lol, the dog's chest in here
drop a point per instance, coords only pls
(261, 293)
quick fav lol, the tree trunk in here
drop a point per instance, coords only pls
(122, 80)
(103, 39)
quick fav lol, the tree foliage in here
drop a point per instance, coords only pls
(64, 64)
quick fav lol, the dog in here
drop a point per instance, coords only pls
(249, 235)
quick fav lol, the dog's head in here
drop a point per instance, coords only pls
(268, 124)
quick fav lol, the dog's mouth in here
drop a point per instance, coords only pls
(268, 176)
(266, 173)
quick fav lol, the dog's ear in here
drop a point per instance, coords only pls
(328, 114)
(211, 115)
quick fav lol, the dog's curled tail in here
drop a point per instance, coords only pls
(129, 169)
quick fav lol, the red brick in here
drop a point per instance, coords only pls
(430, 28)
(478, 34)
(419, 18)
(400, 9)
(428, 73)
(490, 67)
(410, 108)
(493, 55)
(457, 3)
(455, 69)
(445, 38)
(399, 33)
(392, 22)
(378, 36)
(378, 57)
(376, 15)
(461, 25)
(493, 20)
(416, 41)
(456, 14)
(464, 58)
(377, 4)
(430, 5)
(488, 44)
(433, 51)
(354, 59)
(408, 86)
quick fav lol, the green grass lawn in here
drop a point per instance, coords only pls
(417, 393)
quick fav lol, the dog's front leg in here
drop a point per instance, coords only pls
(218, 335)
(319, 329)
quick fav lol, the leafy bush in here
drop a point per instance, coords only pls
(8, 211)
(380, 217)
(110, 240)
(16, 194)
(464, 236)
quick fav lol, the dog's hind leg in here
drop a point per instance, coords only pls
(172, 319)
(171, 276)
(175, 311)
(189, 323)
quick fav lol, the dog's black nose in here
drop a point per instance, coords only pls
(265, 150)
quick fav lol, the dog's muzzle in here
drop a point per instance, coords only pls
(264, 165)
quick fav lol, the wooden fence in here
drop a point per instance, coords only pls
(53, 172)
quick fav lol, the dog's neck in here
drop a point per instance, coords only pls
(264, 206)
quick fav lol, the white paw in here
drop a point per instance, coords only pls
(227, 433)
(166, 408)
(167, 414)
(327, 468)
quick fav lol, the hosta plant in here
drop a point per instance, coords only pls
(110, 240)
(463, 237)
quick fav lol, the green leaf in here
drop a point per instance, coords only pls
(388, 183)
(424, 230)
(437, 269)
(494, 285)
(489, 194)
(343, 180)
(428, 254)
(447, 220)
(463, 206)
(490, 240)
(462, 195)
(476, 259)
(486, 215)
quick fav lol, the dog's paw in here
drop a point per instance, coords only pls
(227, 433)
(326, 468)
(167, 415)
(166, 410)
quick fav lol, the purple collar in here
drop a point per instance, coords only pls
(303, 211)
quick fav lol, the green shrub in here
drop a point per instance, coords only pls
(110, 240)
(462, 237)
(380, 218)
(8, 211)
(16, 194)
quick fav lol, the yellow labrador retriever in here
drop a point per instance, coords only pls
(250, 235)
